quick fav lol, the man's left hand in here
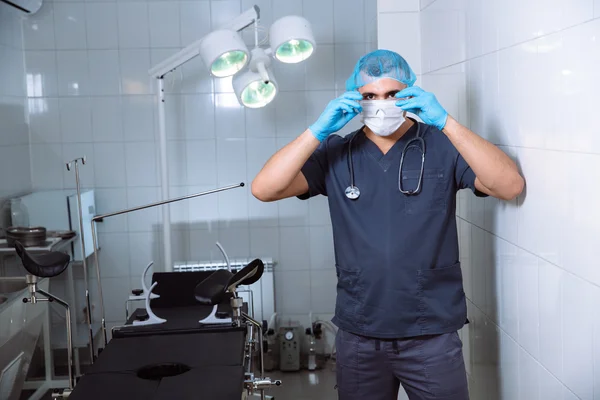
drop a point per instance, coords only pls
(423, 104)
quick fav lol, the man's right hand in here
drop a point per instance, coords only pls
(337, 114)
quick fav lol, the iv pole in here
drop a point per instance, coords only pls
(88, 316)
(100, 218)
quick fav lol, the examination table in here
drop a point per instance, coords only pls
(181, 358)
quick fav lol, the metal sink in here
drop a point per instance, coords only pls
(12, 285)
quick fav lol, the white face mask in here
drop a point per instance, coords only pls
(383, 117)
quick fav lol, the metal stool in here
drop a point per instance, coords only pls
(48, 265)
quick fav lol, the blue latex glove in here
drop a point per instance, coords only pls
(424, 105)
(337, 114)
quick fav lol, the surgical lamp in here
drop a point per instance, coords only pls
(225, 54)
(292, 39)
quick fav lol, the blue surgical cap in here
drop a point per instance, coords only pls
(380, 64)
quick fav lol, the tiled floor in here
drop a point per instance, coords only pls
(305, 385)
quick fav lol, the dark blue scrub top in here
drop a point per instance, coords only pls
(396, 255)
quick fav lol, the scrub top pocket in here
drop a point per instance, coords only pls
(442, 297)
(432, 196)
(349, 292)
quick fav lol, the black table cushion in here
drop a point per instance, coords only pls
(211, 383)
(194, 350)
(207, 383)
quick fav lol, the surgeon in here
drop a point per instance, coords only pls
(391, 187)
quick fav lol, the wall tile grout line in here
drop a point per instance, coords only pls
(520, 345)
(27, 99)
(427, 6)
(308, 205)
(550, 150)
(434, 71)
(175, 94)
(533, 254)
(398, 12)
(176, 49)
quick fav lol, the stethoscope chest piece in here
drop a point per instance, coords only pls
(352, 192)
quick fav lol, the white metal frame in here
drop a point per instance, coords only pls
(159, 72)
(51, 380)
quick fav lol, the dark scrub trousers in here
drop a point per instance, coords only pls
(429, 367)
(400, 298)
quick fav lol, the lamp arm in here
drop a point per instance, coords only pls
(160, 70)
(262, 70)
(244, 20)
(176, 60)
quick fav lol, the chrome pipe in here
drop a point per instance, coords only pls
(260, 348)
(88, 316)
(98, 283)
(258, 325)
(250, 348)
(100, 218)
(251, 307)
(69, 335)
(236, 307)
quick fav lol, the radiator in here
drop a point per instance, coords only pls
(262, 298)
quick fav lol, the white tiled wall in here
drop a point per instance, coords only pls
(15, 173)
(399, 30)
(524, 76)
(95, 97)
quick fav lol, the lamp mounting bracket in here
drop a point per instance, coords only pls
(191, 51)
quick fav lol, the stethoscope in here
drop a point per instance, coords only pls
(353, 192)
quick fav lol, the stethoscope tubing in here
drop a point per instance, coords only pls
(352, 191)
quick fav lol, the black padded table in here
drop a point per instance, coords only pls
(180, 359)
(192, 349)
(213, 360)
(207, 383)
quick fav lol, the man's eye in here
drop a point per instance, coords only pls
(393, 94)
(369, 97)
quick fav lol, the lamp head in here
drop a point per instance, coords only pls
(253, 92)
(292, 39)
(224, 53)
(256, 86)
